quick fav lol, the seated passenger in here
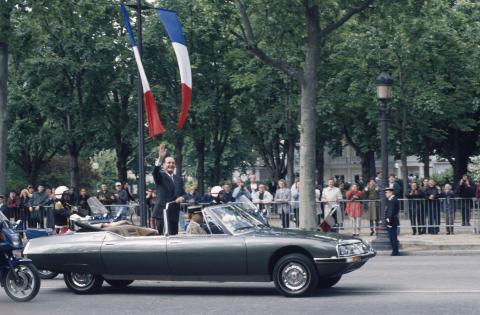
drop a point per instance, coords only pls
(196, 219)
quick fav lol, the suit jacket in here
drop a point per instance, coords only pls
(168, 190)
(392, 210)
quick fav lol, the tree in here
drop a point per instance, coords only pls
(316, 35)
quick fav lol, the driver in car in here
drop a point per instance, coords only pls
(196, 220)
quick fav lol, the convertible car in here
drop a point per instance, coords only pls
(237, 247)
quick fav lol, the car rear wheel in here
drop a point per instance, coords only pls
(119, 283)
(326, 283)
(295, 275)
(83, 283)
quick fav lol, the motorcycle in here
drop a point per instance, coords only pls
(18, 276)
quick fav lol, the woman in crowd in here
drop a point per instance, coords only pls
(447, 204)
(355, 207)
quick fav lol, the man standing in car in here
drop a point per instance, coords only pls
(169, 187)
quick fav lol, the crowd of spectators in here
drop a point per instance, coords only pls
(426, 201)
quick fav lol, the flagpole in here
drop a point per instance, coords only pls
(141, 128)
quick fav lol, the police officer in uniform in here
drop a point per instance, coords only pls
(392, 221)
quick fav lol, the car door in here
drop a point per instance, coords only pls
(137, 255)
(206, 256)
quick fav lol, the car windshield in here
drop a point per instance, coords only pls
(235, 219)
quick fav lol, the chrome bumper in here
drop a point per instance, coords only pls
(348, 259)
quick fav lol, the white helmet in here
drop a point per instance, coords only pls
(215, 190)
(59, 191)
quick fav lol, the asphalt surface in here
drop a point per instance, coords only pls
(385, 285)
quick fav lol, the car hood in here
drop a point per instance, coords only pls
(294, 233)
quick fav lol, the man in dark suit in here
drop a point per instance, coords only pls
(392, 221)
(169, 187)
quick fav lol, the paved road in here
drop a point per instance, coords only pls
(385, 285)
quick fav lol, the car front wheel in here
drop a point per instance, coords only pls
(83, 283)
(295, 275)
(326, 283)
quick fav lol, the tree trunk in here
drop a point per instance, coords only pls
(200, 148)
(123, 153)
(426, 165)
(307, 214)
(368, 165)
(74, 169)
(291, 160)
(462, 158)
(33, 174)
(3, 115)
(320, 159)
(217, 172)
(178, 143)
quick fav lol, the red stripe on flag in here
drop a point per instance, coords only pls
(186, 98)
(155, 126)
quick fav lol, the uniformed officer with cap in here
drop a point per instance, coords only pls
(392, 209)
(196, 219)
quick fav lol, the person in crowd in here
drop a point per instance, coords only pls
(193, 197)
(121, 200)
(227, 193)
(447, 204)
(263, 200)
(294, 185)
(24, 205)
(30, 190)
(82, 204)
(13, 201)
(196, 221)
(208, 198)
(126, 186)
(295, 201)
(392, 221)
(378, 180)
(433, 212)
(39, 200)
(339, 214)
(416, 209)
(354, 207)
(466, 191)
(395, 184)
(253, 185)
(105, 196)
(318, 203)
(331, 199)
(282, 198)
(170, 188)
(372, 195)
(240, 190)
(150, 204)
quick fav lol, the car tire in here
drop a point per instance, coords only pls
(326, 283)
(295, 275)
(119, 283)
(83, 283)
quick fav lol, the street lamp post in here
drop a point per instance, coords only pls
(384, 94)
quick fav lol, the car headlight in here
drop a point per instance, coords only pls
(353, 249)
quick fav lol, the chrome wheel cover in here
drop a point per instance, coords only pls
(294, 276)
(25, 283)
(82, 280)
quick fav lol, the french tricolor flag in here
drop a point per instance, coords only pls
(155, 126)
(174, 29)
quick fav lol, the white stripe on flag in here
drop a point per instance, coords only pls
(143, 77)
(183, 63)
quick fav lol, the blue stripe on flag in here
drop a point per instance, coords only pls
(172, 25)
(126, 21)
